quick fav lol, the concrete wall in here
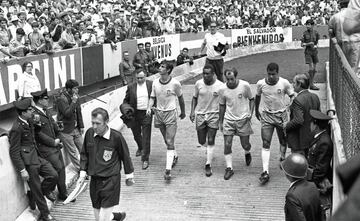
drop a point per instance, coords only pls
(13, 199)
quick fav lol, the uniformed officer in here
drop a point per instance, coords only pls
(49, 145)
(103, 152)
(24, 154)
(310, 40)
(320, 156)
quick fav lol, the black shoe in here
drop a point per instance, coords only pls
(313, 87)
(32, 204)
(46, 218)
(119, 216)
(145, 165)
(50, 196)
(248, 159)
(208, 171)
(175, 160)
(228, 173)
(167, 175)
(138, 153)
(264, 177)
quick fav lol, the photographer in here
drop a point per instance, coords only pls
(69, 111)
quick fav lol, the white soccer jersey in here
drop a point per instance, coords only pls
(273, 96)
(166, 94)
(207, 96)
(236, 101)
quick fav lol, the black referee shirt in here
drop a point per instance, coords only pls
(102, 156)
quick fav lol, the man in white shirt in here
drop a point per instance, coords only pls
(205, 111)
(165, 90)
(215, 43)
(236, 110)
(273, 89)
(137, 96)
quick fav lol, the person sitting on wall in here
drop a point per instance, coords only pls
(184, 57)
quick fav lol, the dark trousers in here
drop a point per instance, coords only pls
(57, 162)
(38, 188)
(218, 65)
(142, 133)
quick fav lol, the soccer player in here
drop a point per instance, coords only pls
(236, 110)
(274, 91)
(165, 90)
(205, 104)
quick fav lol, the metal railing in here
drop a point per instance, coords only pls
(343, 94)
(345, 87)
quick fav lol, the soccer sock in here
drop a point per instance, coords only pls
(265, 156)
(169, 159)
(228, 159)
(209, 154)
(205, 144)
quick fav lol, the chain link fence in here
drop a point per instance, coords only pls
(345, 86)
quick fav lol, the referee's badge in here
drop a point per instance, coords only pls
(279, 91)
(240, 95)
(107, 155)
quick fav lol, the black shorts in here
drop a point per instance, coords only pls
(105, 191)
(311, 57)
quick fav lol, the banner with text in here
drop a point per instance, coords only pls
(166, 47)
(254, 36)
(52, 71)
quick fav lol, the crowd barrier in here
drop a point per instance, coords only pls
(65, 63)
(89, 65)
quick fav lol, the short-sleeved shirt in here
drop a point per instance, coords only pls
(211, 41)
(207, 96)
(166, 94)
(310, 36)
(236, 101)
(274, 99)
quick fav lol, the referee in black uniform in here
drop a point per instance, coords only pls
(103, 151)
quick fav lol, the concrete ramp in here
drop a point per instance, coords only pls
(191, 195)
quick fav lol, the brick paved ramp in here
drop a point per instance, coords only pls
(191, 195)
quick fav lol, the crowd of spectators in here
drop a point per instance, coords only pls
(30, 27)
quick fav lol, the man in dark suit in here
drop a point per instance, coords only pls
(49, 145)
(298, 128)
(134, 31)
(24, 154)
(69, 113)
(137, 96)
(302, 200)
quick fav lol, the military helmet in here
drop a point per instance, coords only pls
(295, 165)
